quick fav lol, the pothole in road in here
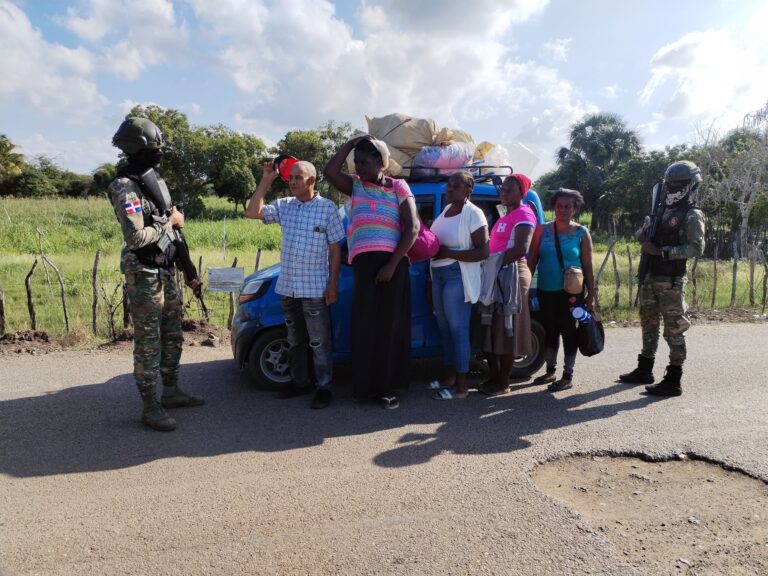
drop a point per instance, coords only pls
(679, 516)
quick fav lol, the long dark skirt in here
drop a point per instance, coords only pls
(381, 327)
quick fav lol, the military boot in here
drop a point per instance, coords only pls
(670, 386)
(153, 414)
(643, 374)
(174, 397)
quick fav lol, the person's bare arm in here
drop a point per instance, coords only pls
(477, 253)
(523, 235)
(410, 219)
(256, 203)
(533, 256)
(342, 182)
(586, 266)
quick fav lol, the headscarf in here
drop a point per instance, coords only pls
(381, 148)
(523, 181)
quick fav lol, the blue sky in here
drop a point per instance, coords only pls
(505, 71)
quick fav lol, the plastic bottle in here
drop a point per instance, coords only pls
(581, 314)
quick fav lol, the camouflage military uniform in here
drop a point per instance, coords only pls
(662, 294)
(153, 292)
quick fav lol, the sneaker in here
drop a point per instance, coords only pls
(322, 399)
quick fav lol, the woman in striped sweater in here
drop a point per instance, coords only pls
(383, 225)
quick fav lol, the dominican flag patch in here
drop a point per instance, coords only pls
(133, 207)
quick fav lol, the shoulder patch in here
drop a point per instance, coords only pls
(132, 205)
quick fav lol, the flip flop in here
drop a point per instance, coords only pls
(389, 402)
(434, 385)
(446, 394)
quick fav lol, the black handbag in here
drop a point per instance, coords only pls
(591, 336)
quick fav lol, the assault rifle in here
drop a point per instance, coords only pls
(158, 192)
(650, 226)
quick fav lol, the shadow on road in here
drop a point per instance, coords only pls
(96, 427)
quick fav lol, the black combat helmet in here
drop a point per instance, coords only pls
(682, 174)
(136, 134)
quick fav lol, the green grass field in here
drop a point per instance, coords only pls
(70, 231)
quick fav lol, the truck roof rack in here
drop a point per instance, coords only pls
(480, 173)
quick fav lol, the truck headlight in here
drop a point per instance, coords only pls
(253, 290)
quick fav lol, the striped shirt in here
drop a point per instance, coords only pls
(374, 221)
(308, 228)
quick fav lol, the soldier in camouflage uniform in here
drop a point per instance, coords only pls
(679, 236)
(147, 260)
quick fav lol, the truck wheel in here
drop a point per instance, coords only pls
(531, 364)
(268, 364)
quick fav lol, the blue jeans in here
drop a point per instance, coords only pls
(453, 315)
(309, 327)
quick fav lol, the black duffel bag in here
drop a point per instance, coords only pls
(591, 336)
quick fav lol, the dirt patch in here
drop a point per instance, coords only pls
(675, 517)
(196, 333)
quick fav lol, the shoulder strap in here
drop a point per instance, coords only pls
(557, 246)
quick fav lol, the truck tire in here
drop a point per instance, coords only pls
(268, 365)
(531, 364)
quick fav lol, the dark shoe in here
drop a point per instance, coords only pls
(152, 413)
(175, 397)
(643, 374)
(670, 385)
(293, 391)
(547, 378)
(564, 383)
(322, 399)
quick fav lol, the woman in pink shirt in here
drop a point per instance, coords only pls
(512, 235)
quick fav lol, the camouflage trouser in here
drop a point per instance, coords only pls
(664, 299)
(157, 338)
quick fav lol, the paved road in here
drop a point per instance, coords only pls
(253, 485)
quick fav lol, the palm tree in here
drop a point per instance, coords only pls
(598, 145)
(11, 162)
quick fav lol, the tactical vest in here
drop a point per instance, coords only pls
(160, 254)
(671, 232)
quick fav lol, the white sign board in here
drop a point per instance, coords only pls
(225, 279)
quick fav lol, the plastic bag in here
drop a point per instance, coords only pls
(445, 159)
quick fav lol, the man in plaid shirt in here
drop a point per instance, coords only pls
(309, 273)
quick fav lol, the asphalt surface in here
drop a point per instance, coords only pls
(249, 484)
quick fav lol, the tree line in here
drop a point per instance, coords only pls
(604, 160)
(198, 162)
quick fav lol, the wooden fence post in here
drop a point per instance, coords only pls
(2, 313)
(63, 295)
(231, 302)
(714, 276)
(95, 302)
(752, 264)
(258, 260)
(617, 279)
(735, 271)
(629, 257)
(30, 305)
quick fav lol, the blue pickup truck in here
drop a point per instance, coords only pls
(258, 328)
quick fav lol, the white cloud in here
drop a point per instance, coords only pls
(556, 50)
(451, 64)
(709, 76)
(130, 36)
(611, 92)
(48, 77)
